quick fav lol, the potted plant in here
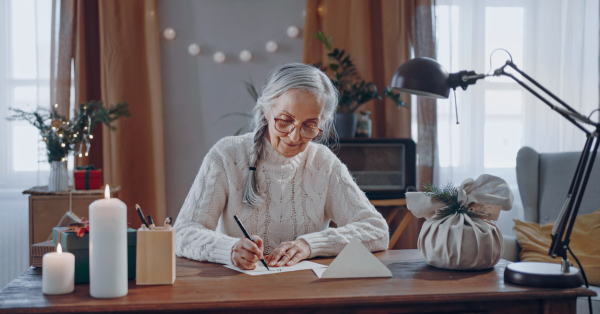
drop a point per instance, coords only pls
(63, 136)
(353, 90)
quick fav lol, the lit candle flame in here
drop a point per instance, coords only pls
(107, 192)
(59, 249)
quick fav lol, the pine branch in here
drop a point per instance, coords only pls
(448, 195)
(63, 136)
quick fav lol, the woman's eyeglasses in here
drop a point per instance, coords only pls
(286, 126)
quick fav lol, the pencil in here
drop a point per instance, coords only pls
(248, 236)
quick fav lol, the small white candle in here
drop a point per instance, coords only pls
(58, 272)
(108, 247)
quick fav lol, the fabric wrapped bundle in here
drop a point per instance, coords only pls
(459, 241)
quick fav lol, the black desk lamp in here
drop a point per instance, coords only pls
(426, 77)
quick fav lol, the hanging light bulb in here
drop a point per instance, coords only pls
(293, 31)
(86, 153)
(194, 49)
(53, 129)
(80, 155)
(271, 46)
(245, 55)
(60, 135)
(85, 128)
(45, 138)
(91, 136)
(62, 145)
(169, 33)
(219, 57)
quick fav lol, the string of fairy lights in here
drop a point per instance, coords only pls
(245, 55)
(67, 134)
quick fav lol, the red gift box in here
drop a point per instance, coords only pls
(88, 179)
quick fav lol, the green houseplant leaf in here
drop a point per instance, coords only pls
(352, 89)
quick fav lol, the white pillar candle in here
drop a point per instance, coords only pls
(108, 247)
(58, 272)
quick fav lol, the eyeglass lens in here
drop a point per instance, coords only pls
(287, 127)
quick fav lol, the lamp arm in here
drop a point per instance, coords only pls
(463, 79)
(529, 78)
(572, 113)
(561, 232)
(547, 102)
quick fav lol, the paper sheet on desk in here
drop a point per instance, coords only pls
(261, 270)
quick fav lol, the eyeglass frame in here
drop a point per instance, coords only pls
(294, 126)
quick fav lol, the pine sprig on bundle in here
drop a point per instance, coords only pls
(448, 195)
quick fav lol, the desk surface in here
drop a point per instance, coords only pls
(414, 287)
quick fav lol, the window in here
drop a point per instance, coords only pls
(555, 42)
(25, 45)
(490, 114)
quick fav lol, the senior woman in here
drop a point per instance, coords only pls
(283, 185)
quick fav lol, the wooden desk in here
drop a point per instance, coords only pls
(414, 288)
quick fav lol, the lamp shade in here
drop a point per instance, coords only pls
(422, 77)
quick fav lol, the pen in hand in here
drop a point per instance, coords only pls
(248, 236)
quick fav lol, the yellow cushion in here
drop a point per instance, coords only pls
(535, 241)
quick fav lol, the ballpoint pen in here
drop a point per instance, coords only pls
(139, 211)
(248, 236)
(151, 222)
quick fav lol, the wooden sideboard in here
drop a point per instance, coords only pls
(46, 209)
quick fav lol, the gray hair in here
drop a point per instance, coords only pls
(298, 76)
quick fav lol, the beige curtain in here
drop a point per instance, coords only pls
(380, 34)
(423, 32)
(61, 54)
(116, 49)
(87, 70)
(377, 35)
(130, 71)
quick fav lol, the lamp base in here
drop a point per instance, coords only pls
(544, 275)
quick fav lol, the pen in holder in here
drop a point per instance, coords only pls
(155, 261)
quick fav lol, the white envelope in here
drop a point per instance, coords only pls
(355, 261)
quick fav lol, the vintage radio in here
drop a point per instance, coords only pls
(383, 168)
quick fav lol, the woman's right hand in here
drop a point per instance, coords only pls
(245, 253)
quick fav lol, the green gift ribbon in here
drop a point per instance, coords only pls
(87, 174)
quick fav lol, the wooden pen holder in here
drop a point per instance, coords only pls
(155, 261)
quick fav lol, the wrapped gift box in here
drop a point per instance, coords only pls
(38, 250)
(88, 179)
(70, 242)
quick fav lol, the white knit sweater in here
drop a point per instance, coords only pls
(301, 195)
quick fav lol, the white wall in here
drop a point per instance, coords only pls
(197, 91)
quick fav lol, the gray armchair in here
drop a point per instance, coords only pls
(544, 180)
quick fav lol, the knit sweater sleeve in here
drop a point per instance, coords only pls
(196, 224)
(347, 205)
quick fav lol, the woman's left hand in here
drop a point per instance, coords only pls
(289, 253)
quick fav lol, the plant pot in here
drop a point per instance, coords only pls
(345, 124)
(59, 178)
